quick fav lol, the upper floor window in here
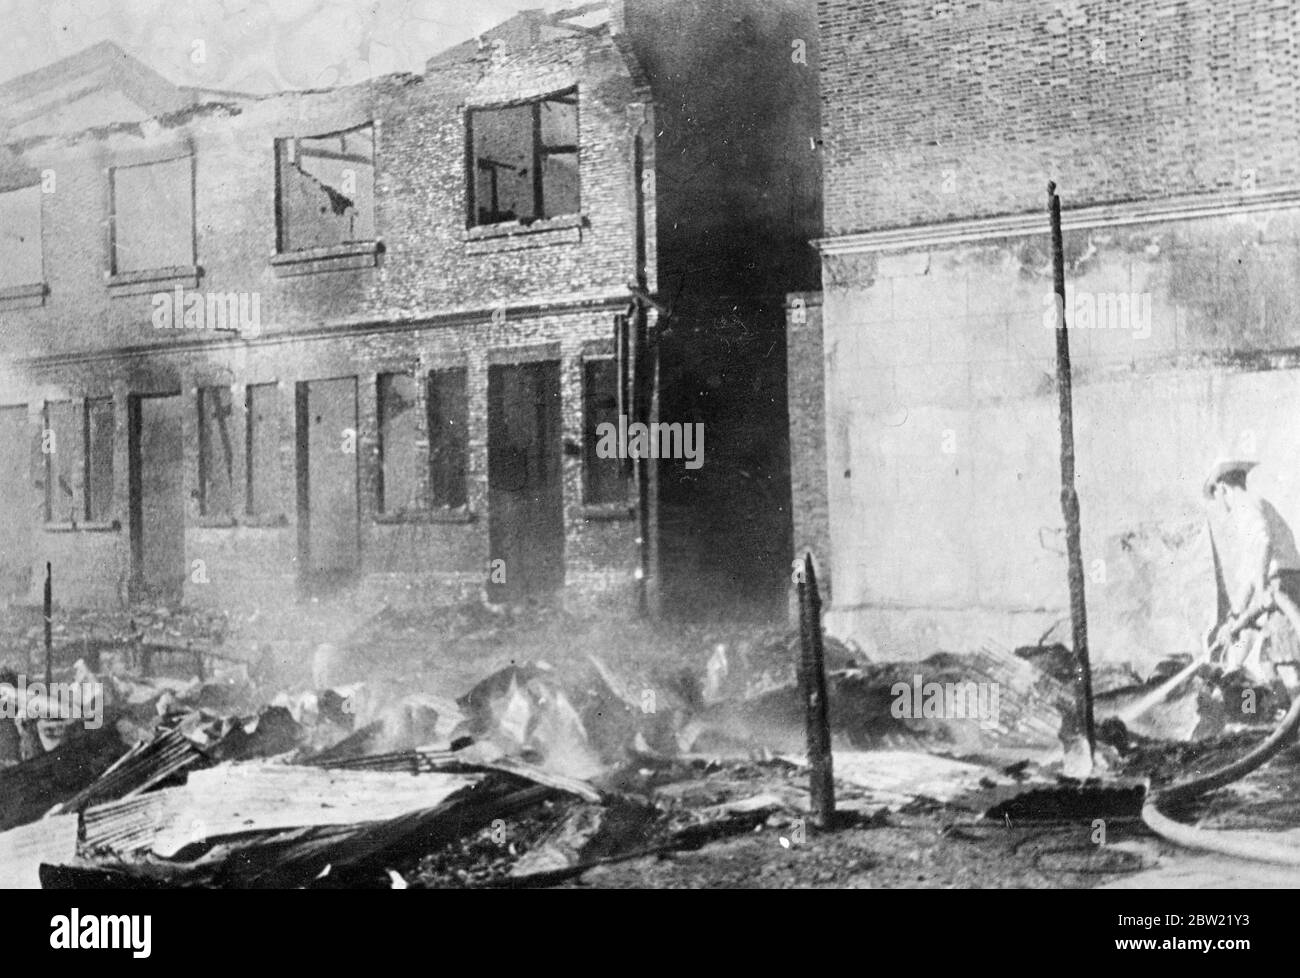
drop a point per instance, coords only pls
(524, 160)
(152, 215)
(325, 189)
(20, 237)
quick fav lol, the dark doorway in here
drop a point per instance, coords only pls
(525, 495)
(157, 496)
(328, 519)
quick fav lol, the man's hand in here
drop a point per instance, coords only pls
(1207, 640)
(1220, 636)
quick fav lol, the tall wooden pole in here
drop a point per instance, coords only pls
(49, 625)
(812, 684)
(1069, 494)
(642, 405)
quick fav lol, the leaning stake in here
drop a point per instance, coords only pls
(1070, 495)
(812, 685)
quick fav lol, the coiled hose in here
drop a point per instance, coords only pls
(1280, 849)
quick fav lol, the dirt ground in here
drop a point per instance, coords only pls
(907, 852)
(928, 846)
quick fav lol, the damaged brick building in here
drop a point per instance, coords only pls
(362, 338)
(927, 399)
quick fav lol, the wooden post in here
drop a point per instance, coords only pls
(639, 349)
(1069, 494)
(812, 686)
(49, 623)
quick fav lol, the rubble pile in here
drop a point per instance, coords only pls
(128, 638)
(533, 774)
(221, 783)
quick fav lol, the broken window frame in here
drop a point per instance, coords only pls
(38, 247)
(188, 259)
(447, 437)
(206, 457)
(539, 152)
(282, 228)
(97, 486)
(618, 492)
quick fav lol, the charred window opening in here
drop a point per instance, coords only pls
(398, 437)
(447, 408)
(325, 189)
(216, 453)
(98, 435)
(604, 478)
(152, 215)
(59, 447)
(524, 160)
(20, 238)
(262, 438)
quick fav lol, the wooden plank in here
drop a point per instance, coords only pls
(238, 798)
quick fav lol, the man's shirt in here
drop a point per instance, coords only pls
(1264, 544)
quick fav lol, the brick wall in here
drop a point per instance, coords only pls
(437, 296)
(734, 162)
(934, 109)
(253, 562)
(1177, 121)
(428, 266)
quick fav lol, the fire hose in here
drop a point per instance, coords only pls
(1258, 846)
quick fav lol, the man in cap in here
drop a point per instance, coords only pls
(1266, 562)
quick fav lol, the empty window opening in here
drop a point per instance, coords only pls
(59, 447)
(216, 453)
(326, 189)
(152, 215)
(525, 160)
(448, 419)
(262, 437)
(98, 434)
(20, 238)
(399, 436)
(605, 480)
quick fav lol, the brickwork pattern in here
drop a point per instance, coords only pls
(941, 109)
